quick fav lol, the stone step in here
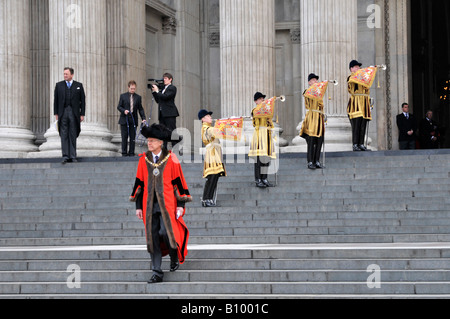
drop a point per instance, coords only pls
(227, 288)
(210, 276)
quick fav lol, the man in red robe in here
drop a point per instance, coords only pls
(160, 193)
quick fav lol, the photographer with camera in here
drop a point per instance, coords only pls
(167, 111)
(129, 105)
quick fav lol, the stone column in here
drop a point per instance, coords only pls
(247, 32)
(328, 43)
(16, 138)
(78, 40)
(126, 48)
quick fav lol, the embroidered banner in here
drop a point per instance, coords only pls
(230, 129)
(266, 109)
(364, 77)
(317, 91)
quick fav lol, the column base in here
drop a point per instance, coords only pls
(16, 142)
(94, 141)
(338, 138)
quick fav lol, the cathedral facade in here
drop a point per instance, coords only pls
(220, 53)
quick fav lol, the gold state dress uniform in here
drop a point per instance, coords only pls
(213, 167)
(313, 128)
(262, 148)
(359, 111)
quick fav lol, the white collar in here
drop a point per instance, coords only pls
(157, 155)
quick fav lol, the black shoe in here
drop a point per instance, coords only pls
(174, 266)
(311, 165)
(319, 165)
(210, 203)
(74, 160)
(267, 183)
(65, 161)
(155, 279)
(356, 148)
(362, 148)
(260, 184)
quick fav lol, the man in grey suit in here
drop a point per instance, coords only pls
(129, 105)
(69, 110)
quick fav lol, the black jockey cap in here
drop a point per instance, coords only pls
(203, 113)
(258, 95)
(354, 63)
(313, 76)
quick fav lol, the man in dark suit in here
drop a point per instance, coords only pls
(129, 105)
(407, 128)
(69, 110)
(168, 111)
(429, 132)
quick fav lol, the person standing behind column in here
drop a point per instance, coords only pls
(168, 111)
(262, 148)
(213, 167)
(407, 128)
(313, 128)
(129, 105)
(69, 110)
(359, 109)
(429, 132)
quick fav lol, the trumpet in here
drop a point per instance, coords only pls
(282, 98)
(382, 67)
(336, 83)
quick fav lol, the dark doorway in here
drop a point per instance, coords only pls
(430, 39)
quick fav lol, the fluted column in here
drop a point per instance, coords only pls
(328, 43)
(247, 32)
(16, 138)
(126, 50)
(78, 40)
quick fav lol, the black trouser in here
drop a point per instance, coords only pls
(68, 132)
(262, 168)
(128, 132)
(407, 145)
(171, 124)
(314, 148)
(210, 187)
(359, 127)
(159, 233)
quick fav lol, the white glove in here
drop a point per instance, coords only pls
(180, 212)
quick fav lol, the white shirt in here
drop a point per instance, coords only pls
(157, 155)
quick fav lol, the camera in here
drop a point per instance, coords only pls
(158, 83)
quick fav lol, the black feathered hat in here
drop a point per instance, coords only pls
(157, 131)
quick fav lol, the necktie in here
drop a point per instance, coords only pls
(156, 159)
(68, 85)
(131, 103)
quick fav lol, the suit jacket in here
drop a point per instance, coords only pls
(404, 126)
(428, 129)
(77, 102)
(166, 101)
(125, 105)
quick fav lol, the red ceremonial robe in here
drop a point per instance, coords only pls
(170, 189)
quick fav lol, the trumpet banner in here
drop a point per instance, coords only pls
(317, 91)
(364, 77)
(266, 109)
(230, 129)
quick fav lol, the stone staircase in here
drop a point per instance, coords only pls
(320, 234)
